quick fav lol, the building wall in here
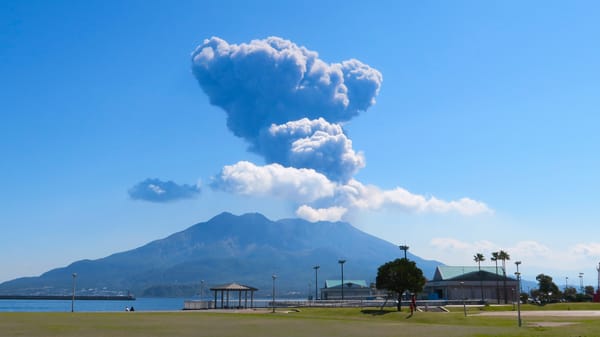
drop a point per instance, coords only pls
(454, 291)
(349, 293)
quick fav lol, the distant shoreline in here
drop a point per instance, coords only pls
(69, 297)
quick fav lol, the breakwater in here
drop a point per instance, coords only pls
(69, 297)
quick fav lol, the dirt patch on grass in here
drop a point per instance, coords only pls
(549, 324)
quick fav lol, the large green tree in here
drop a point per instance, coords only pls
(399, 276)
(548, 290)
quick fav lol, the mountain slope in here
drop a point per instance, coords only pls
(246, 249)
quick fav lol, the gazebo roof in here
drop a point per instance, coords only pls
(233, 287)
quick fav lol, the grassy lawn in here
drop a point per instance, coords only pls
(306, 322)
(529, 307)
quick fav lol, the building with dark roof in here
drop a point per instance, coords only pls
(472, 284)
(353, 289)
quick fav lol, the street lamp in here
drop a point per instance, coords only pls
(519, 300)
(598, 270)
(404, 248)
(341, 262)
(316, 268)
(274, 277)
(73, 298)
(462, 293)
(581, 282)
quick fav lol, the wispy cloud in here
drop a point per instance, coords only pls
(588, 249)
(451, 244)
(155, 190)
(535, 255)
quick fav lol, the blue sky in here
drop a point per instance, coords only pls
(472, 126)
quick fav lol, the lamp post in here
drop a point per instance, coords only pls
(73, 298)
(581, 282)
(519, 300)
(462, 294)
(274, 277)
(403, 248)
(316, 268)
(341, 262)
(598, 270)
(566, 282)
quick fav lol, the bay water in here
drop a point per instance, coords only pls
(140, 304)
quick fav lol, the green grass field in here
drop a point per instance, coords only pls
(307, 322)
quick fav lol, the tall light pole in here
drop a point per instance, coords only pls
(201, 289)
(566, 282)
(519, 300)
(274, 277)
(341, 262)
(598, 270)
(403, 248)
(316, 268)
(73, 298)
(462, 294)
(518, 292)
(581, 282)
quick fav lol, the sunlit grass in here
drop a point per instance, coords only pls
(304, 322)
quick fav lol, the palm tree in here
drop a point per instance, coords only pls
(479, 258)
(502, 255)
(495, 259)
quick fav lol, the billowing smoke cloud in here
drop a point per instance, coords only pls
(156, 190)
(269, 83)
(310, 188)
(316, 144)
(299, 185)
(334, 213)
(290, 106)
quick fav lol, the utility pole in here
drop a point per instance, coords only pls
(316, 268)
(73, 298)
(274, 277)
(598, 269)
(341, 262)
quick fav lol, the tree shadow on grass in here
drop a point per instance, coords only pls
(376, 312)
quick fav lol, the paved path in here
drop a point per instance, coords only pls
(545, 313)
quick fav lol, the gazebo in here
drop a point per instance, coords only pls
(234, 287)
